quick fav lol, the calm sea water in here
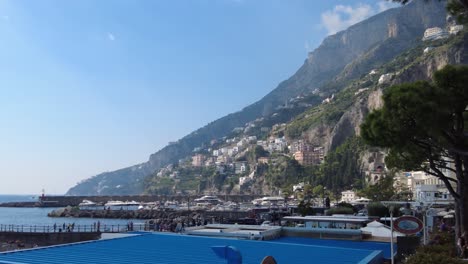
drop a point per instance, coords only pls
(38, 216)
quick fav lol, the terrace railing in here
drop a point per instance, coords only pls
(73, 228)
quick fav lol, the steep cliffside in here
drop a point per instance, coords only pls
(420, 67)
(340, 57)
(454, 52)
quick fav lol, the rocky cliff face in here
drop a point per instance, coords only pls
(348, 125)
(341, 57)
(435, 60)
(455, 52)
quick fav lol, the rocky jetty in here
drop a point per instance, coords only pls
(20, 204)
(147, 214)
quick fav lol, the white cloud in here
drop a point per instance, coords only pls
(343, 16)
(110, 36)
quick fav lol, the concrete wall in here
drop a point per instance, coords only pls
(48, 239)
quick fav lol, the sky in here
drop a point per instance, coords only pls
(92, 86)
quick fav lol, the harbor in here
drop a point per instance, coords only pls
(266, 218)
(63, 201)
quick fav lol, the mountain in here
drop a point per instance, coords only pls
(339, 59)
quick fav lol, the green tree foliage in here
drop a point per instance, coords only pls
(383, 190)
(318, 191)
(380, 210)
(441, 249)
(348, 205)
(305, 208)
(283, 172)
(423, 126)
(255, 153)
(328, 114)
(160, 186)
(340, 210)
(458, 8)
(341, 168)
(188, 179)
(287, 191)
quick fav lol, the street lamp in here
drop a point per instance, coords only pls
(391, 207)
(391, 233)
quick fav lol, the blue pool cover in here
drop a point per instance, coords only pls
(178, 249)
(382, 246)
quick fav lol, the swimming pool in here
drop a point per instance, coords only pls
(178, 249)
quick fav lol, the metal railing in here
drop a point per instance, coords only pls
(73, 228)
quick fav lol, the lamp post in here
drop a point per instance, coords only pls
(391, 233)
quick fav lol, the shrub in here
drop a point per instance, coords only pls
(347, 205)
(380, 210)
(443, 251)
(431, 258)
(377, 209)
(339, 210)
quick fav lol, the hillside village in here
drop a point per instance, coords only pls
(239, 163)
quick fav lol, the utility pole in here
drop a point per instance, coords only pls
(391, 234)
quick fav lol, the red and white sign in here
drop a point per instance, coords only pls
(408, 225)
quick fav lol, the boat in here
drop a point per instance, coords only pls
(119, 205)
(149, 206)
(88, 205)
(171, 205)
(361, 201)
(211, 199)
(268, 201)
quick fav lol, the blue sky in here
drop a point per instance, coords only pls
(91, 86)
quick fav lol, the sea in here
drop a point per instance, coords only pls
(37, 216)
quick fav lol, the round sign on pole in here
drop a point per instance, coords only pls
(408, 225)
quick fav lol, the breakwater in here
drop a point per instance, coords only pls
(62, 201)
(219, 216)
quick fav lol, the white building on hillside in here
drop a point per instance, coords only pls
(455, 29)
(425, 187)
(348, 196)
(246, 179)
(427, 49)
(435, 33)
(385, 78)
(426, 193)
(298, 187)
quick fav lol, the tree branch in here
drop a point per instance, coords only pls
(444, 179)
(429, 171)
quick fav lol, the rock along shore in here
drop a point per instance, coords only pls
(147, 214)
